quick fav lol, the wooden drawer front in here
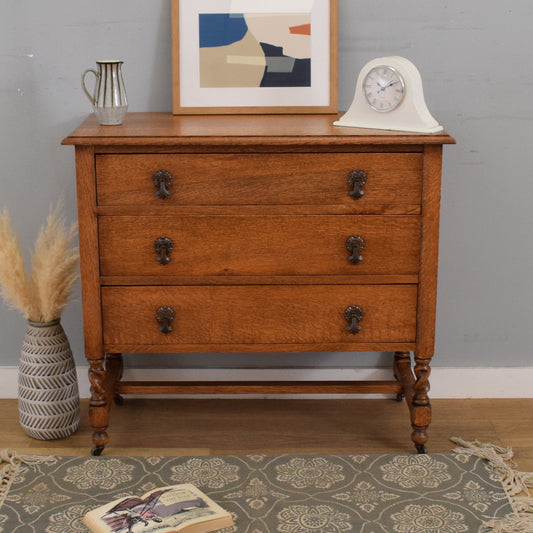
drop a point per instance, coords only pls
(258, 245)
(265, 179)
(258, 314)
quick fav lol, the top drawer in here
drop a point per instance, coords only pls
(261, 179)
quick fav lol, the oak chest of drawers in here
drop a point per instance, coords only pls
(256, 234)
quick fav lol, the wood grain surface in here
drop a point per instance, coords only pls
(258, 245)
(259, 314)
(164, 129)
(259, 179)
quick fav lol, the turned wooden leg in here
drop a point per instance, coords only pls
(104, 375)
(114, 367)
(415, 387)
(421, 407)
(402, 372)
(98, 411)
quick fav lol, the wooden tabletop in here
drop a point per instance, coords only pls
(165, 129)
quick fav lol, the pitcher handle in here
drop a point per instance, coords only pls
(91, 98)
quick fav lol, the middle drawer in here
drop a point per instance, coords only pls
(286, 245)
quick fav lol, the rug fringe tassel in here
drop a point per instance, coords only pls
(511, 524)
(7, 471)
(516, 484)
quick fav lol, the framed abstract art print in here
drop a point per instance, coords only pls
(254, 56)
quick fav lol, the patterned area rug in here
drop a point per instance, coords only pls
(472, 490)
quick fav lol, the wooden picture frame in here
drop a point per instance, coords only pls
(254, 57)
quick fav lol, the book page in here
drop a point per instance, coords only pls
(163, 510)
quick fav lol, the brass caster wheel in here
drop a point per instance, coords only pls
(420, 448)
(97, 451)
(400, 396)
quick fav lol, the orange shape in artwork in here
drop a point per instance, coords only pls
(302, 29)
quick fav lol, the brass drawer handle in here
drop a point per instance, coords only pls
(162, 180)
(163, 246)
(164, 316)
(353, 316)
(355, 245)
(356, 181)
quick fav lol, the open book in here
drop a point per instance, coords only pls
(172, 509)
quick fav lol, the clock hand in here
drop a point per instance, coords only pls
(383, 87)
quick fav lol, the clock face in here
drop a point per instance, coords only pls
(384, 88)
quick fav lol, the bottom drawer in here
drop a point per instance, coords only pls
(258, 314)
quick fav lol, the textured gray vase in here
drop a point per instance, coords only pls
(49, 401)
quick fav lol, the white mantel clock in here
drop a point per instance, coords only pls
(389, 96)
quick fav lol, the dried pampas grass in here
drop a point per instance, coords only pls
(43, 295)
(16, 285)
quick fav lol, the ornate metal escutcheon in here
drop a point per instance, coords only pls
(163, 246)
(162, 180)
(164, 316)
(353, 316)
(355, 245)
(356, 181)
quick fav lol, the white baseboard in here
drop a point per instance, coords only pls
(453, 382)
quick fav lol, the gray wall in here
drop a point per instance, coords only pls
(475, 60)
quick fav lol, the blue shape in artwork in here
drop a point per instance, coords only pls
(299, 76)
(221, 29)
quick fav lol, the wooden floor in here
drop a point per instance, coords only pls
(203, 427)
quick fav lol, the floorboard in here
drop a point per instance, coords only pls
(207, 427)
